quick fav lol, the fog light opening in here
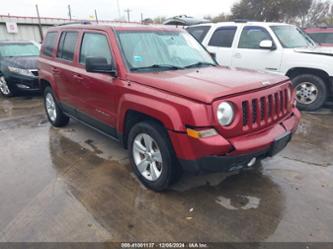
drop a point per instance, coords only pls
(252, 162)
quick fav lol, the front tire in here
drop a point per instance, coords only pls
(311, 92)
(151, 155)
(5, 89)
(54, 114)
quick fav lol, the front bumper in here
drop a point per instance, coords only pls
(220, 154)
(237, 162)
(22, 83)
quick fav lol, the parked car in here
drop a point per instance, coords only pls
(273, 47)
(159, 92)
(18, 70)
(322, 35)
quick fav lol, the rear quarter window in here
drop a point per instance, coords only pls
(49, 43)
(199, 32)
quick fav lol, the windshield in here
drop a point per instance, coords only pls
(292, 37)
(162, 50)
(18, 49)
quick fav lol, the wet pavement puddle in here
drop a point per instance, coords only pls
(74, 184)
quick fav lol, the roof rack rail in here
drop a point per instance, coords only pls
(73, 23)
(241, 20)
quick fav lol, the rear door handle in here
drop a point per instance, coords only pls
(78, 77)
(55, 70)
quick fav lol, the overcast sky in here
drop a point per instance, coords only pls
(107, 9)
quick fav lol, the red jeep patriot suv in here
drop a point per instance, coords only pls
(159, 92)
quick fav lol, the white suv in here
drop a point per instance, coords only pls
(276, 48)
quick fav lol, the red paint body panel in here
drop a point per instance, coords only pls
(320, 31)
(206, 84)
(178, 99)
(191, 149)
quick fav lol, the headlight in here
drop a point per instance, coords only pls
(225, 113)
(20, 71)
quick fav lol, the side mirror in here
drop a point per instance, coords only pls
(267, 44)
(213, 55)
(99, 65)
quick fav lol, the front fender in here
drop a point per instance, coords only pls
(305, 60)
(162, 111)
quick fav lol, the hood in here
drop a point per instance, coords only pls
(207, 84)
(25, 62)
(316, 50)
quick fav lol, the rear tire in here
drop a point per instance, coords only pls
(146, 139)
(54, 113)
(311, 92)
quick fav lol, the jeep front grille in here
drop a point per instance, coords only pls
(263, 110)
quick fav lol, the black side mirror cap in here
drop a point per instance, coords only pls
(99, 65)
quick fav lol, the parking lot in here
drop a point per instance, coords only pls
(73, 184)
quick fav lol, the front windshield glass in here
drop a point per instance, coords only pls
(162, 50)
(292, 37)
(18, 49)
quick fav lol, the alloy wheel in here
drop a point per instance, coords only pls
(147, 157)
(306, 93)
(51, 107)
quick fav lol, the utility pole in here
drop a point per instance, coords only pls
(96, 16)
(141, 17)
(128, 14)
(39, 24)
(69, 12)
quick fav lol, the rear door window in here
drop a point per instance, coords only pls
(223, 37)
(94, 45)
(67, 45)
(49, 43)
(198, 32)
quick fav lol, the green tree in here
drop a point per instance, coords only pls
(221, 18)
(270, 10)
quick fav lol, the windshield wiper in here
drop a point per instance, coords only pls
(200, 64)
(157, 66)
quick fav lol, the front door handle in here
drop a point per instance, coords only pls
(238, 55)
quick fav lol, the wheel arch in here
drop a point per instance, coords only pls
(43, 84)
(293, 72)
(133, 108)
(132, 117)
